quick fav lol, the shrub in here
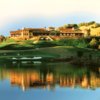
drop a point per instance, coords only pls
(73, 42)
(93, 44)
(45, 44)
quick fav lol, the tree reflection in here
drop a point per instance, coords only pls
(49, 75)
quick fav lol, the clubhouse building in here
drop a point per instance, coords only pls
(28, 33)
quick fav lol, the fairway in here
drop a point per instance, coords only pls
(49, 52)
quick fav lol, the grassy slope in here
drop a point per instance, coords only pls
(11, 44)
(59, 51)
(26, 49)
(45, 52)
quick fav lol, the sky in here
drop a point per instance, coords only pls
(16, 14)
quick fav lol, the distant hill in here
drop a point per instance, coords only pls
(92, 26)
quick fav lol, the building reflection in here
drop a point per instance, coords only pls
(48, 80)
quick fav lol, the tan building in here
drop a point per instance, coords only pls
(28, 33)
(71, 32)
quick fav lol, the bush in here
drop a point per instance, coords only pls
(65, 42)
(45, 44)
(93, 44)
(16, 47)
(73, 42)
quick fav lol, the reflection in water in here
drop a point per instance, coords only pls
(49, 75)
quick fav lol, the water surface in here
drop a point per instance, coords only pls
(48, 81)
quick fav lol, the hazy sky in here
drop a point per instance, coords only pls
(16, 14)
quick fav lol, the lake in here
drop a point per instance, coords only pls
(48, 81)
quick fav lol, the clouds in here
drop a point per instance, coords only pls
(12, 10)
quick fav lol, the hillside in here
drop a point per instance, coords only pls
(92, 26)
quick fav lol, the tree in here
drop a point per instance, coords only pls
(55, 33)
(93, 43)
(92, 22)
(97, 25)
(2, 38)
(70, 26)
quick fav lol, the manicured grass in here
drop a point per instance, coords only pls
(56, 52)
(26, 48)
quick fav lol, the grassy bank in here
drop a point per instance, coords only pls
(55, 52)
(59, 51)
